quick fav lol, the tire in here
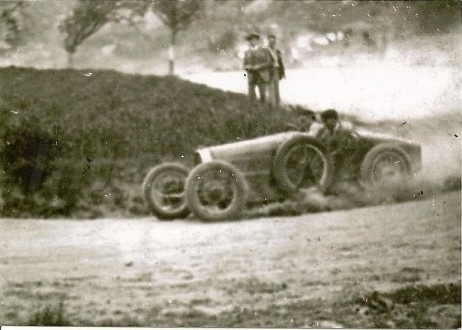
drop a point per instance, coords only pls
(291, 170)
(215, 191)
(375, 173)
(164, 191)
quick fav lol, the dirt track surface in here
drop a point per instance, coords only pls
(150, 273)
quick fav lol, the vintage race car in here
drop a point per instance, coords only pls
(227, 178)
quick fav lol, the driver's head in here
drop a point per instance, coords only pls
(330, 118)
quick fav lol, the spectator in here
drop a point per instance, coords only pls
(257, 62)
(277, 71)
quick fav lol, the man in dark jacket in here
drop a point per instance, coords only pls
(257, 62)
(333, 135)
(277, 71)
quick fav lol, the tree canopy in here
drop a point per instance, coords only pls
(177, 15)
(86, 19)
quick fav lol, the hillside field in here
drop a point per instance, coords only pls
(107, 129)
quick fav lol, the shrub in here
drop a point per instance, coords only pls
(27, 159)
(27, 155)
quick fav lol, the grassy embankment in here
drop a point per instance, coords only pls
(105, 130)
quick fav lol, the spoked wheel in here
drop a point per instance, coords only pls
(301, 163)
(164, 191)
(216, 191)
(385, 165)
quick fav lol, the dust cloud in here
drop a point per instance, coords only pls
(439, 137)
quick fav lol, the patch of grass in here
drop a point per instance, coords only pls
(407, 307)
(256, 286)
(124, 321)
(35, 291)
(200, 301)
(407, 274)
(314, 283)
(437, 294)
(50, 315)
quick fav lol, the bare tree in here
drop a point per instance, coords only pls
(177, 15)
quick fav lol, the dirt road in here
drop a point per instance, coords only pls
(310, 270)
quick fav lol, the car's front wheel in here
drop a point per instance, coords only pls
(216, 191)
(164, 191)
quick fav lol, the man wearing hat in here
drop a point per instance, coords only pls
(257, 62)
(277, 71)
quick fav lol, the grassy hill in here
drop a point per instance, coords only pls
(105, 130)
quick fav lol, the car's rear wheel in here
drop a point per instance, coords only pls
(164, 191)
(216, 191)
(301, 162)
(385, 165)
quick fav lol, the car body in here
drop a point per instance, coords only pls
(228, 177)
(255, 158)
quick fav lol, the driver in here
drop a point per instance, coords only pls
(339, 141)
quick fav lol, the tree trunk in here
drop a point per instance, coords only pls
(171, 53)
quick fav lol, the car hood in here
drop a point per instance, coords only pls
(262, 145)
(378, 137)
